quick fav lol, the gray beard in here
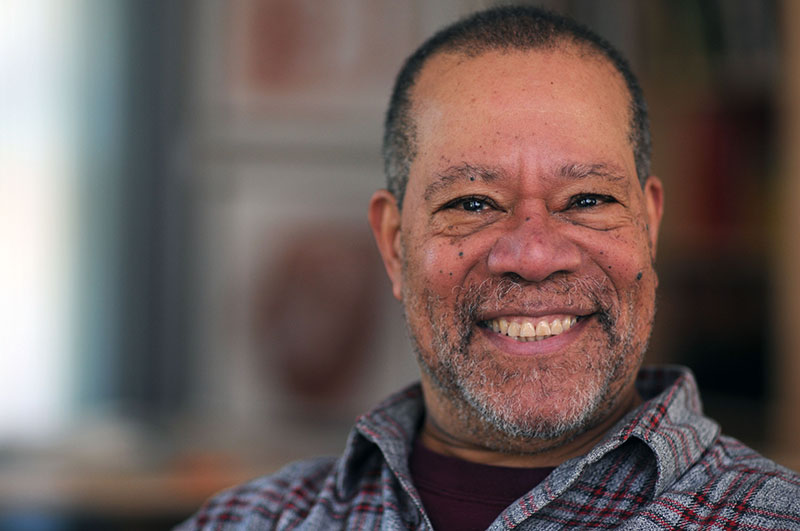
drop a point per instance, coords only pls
(476, 385)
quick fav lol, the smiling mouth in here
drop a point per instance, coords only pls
(525, 330)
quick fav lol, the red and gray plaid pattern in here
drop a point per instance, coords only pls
(664, 466)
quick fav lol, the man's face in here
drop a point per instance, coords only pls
(524, 249)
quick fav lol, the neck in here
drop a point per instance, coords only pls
(444, 433)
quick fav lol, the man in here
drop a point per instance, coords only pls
(519, 230)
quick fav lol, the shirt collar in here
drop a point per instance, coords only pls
(671, 423)
(391, 426)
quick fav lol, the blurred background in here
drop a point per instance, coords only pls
(189, 294)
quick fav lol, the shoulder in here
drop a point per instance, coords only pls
(282, 499)
(730, 457)
(733, 484)
(755, 478)
(359, 489)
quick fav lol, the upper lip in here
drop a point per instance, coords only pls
(535, 314)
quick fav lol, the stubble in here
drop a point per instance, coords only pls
(505, 405)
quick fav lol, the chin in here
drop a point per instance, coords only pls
(544, 404)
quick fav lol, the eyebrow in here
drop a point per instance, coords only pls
(582, 171)
(460, 172)
(472, 172)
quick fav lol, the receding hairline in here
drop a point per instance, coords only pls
(577, 49)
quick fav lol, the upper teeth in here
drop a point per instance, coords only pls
(524, 330)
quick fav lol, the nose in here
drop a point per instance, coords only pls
(534, 247)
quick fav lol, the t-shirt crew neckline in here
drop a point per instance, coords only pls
(458, 493)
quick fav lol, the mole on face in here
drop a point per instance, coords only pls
(639, 275)
(461, 253)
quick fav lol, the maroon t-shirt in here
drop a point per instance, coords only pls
(462, 495)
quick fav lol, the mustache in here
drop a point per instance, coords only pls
(494, 294)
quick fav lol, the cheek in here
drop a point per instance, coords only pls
(446, 263)
(623, 258)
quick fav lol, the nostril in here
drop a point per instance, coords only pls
(514, 277)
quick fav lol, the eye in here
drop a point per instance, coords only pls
(584, 201)
(470, 204)
(473, 204)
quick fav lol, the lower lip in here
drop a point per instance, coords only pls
(512, 347)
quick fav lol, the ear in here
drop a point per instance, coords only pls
(384, 218)
(654, 206)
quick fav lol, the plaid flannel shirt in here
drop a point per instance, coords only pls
(664, 466)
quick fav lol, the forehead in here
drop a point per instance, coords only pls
(529, 106)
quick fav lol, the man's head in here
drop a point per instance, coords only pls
(500, 29)
(523, 251)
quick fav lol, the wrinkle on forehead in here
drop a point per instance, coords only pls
(460, 92)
